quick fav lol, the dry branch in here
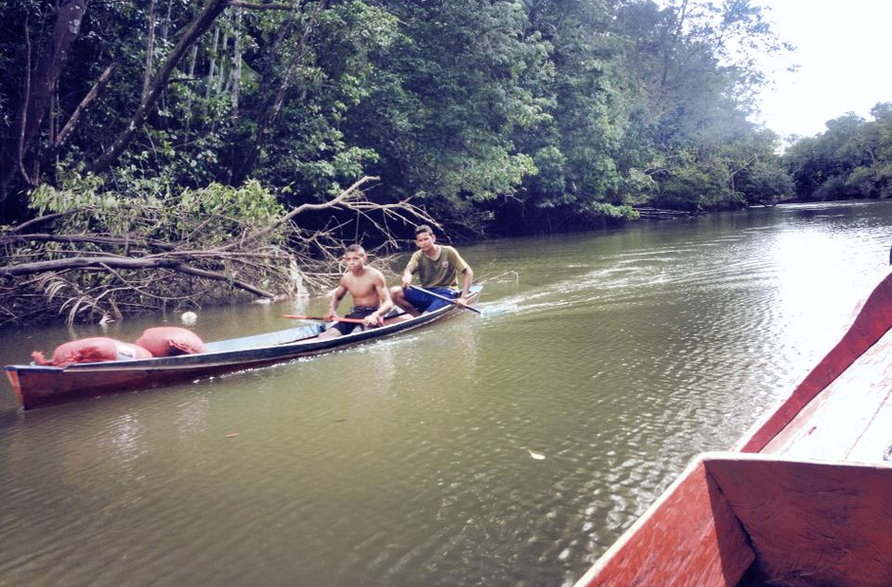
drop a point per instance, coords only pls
(67, 269)
(88, 100)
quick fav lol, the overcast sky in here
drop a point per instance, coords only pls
(844, 49)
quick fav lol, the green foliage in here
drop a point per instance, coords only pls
(764, 182)
(692, 185)
(851, 159)
(449, 93)
(308, 150)
(250, 205)
(221, 211)
(479, 109)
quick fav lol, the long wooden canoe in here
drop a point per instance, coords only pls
(805, 498)
(37, 386)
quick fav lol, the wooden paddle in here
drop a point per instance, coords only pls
(444, 298)
(352, 320)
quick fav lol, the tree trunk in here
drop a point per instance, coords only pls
(193, 32)
(39, 88)
(150, 52)
(275, 104)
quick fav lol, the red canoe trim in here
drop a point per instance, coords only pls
(872, 322)
(778, 522)
(689, 536)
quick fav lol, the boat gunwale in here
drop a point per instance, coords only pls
(312, 344)
(870, 325)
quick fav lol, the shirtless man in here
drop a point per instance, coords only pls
(366, 285)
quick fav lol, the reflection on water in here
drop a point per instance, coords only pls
(408, 461)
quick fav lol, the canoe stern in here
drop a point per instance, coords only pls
(13, 375)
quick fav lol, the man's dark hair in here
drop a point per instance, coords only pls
(423, 228)
(354, 248)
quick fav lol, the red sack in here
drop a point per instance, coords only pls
(91, 350)
(167, 341)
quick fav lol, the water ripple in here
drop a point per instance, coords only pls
(419, 460)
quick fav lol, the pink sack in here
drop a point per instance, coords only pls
(91, 350)
(167, 341)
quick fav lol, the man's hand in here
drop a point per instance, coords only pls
(373, 320)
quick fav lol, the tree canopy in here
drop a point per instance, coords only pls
(482, 109)
(851, 159)
(492, 116)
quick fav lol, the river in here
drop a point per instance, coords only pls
(418, 460)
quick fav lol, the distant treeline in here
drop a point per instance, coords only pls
(503, 117)
(851, 159)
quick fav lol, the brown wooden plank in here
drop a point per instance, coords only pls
(688, 537)
(871, 323)
(875, 443)
(849, 419)
(811, 523)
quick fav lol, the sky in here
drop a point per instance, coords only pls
(843, 49)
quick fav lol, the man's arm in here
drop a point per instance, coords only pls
(336, 298)
(466, 286)
(467, 276)
(407, 274)
(385, 303)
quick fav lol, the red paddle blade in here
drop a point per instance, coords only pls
(320, 319)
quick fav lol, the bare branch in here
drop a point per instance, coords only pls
(333, 203)
(78, 238)
(109, 262)
(21, 228)
(252, 6)
(222, 277)
(84, 104)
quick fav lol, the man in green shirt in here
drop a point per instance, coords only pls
(438, 268)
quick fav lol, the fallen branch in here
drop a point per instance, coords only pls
(62, 270)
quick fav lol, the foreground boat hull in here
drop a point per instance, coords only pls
(748, 519)
(804, 499)
(37, 386)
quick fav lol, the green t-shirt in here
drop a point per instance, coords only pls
(442, 272)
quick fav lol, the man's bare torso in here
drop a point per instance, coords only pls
(364, 286)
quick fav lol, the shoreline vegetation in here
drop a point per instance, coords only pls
(169, 155)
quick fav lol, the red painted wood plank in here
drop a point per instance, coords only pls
(811, 523)
(872, 322)
(849, 419)
(688, 537)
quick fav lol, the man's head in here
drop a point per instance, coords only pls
(424, 228)
(354, 257)
(424, 237)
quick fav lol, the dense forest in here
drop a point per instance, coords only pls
(851, 159)
(227, 144)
